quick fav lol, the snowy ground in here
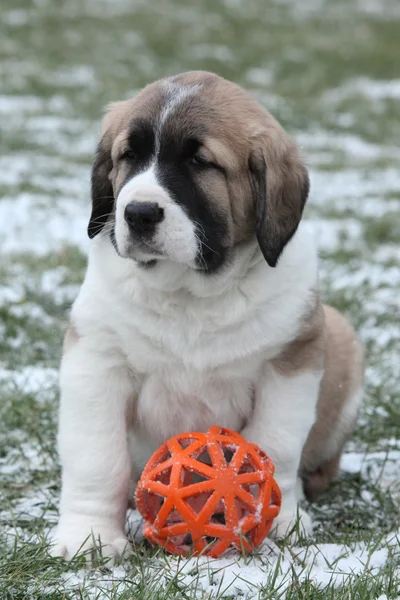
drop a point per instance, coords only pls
(329, 72)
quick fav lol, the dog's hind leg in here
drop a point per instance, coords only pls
(337, 408)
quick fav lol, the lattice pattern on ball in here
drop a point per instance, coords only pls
(203, 492)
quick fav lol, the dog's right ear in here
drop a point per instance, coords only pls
(102, 191)
(280, 186)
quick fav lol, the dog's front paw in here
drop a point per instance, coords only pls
(292, 526)
(79, 534)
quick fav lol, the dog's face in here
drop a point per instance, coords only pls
(191, 167)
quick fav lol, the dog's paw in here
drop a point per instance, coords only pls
(95, 538)
(292, 526)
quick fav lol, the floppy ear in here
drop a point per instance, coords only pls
(102, 191)
(280, 188)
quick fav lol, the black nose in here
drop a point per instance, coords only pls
(142, 217)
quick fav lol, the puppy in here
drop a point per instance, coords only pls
(200, 306)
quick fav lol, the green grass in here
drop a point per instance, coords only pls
(322, 68)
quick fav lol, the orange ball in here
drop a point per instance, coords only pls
(206, 492)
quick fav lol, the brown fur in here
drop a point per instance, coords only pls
(341, 381)
(326, 341)
(306, 351)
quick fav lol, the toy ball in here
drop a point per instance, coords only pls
(207, 492)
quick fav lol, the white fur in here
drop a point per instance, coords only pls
(175, 236)
(176, 94)
(283, 415)
(92, 444)
(188, 351)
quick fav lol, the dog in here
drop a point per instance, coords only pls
(200, 306)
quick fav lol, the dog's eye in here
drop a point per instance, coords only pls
(128, 155)
(201, 161)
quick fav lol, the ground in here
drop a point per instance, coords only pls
(327, 71)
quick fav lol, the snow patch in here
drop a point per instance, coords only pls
(374, 89)
(25, 226)
(381, 468)
(38, 381)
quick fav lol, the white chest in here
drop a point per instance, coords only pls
(195, 347)
(192, 373)
(168, 406)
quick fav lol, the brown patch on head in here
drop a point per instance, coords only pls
(267, 182)
(71, 338)
(338, 404)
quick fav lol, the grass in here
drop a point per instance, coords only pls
(326, 71)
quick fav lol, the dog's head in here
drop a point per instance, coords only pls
(191, 167)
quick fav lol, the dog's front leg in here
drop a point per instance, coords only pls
(283, 414)
(92, 442)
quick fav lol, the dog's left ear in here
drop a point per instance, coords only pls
(102, 191)
(280, 186)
